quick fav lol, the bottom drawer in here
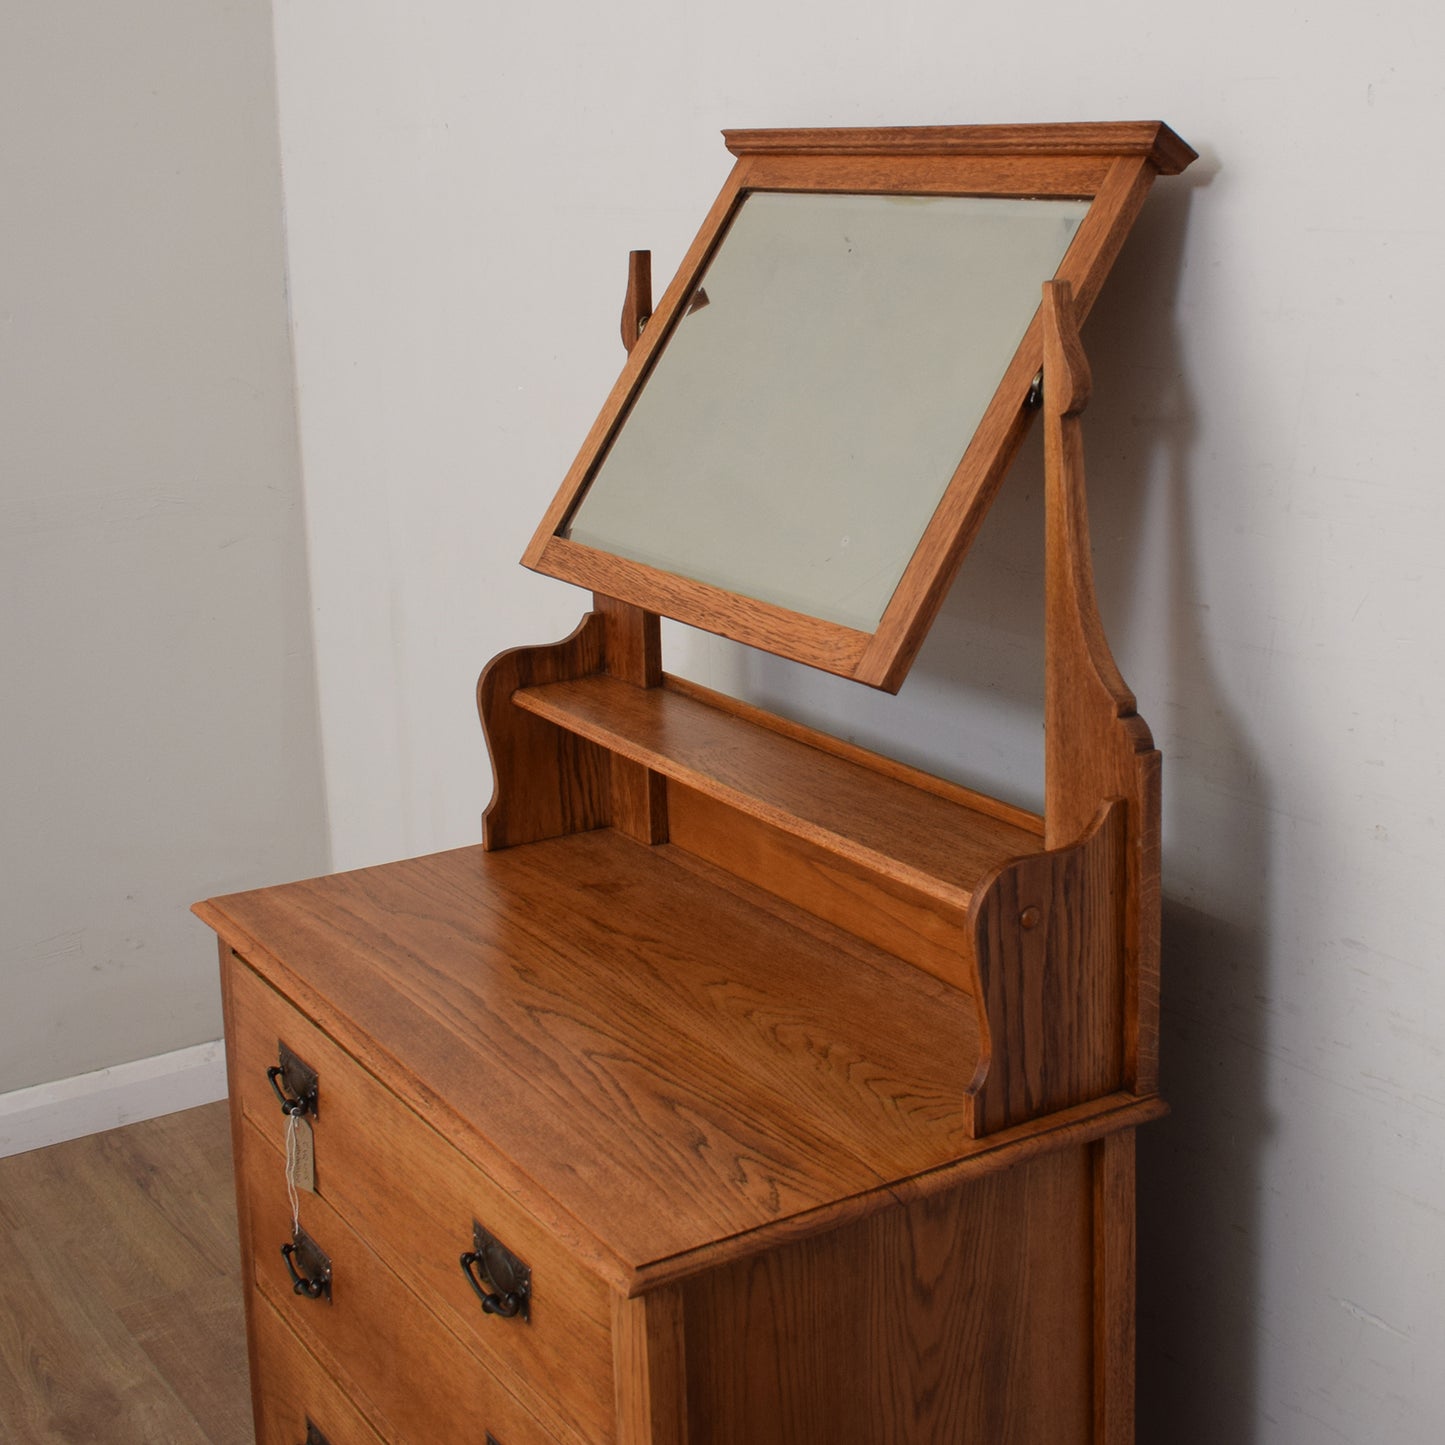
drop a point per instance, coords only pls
(296, 1401)
(406, 1371)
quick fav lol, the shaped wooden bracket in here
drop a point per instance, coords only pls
(1049, 949)
(548, 781)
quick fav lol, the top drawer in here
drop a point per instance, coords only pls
(415, 1200)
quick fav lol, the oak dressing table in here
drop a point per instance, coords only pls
(744, 1087)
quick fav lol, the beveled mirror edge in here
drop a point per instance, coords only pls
(1112, 164)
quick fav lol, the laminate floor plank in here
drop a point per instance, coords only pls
(121, 1317)
(196, 1343)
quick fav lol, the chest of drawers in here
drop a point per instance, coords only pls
(733, 1144)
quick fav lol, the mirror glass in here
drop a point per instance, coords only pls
(801, 422)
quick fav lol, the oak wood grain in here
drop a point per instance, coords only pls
(546, 782)
(990, 1154)
(876, 173)
(1049, 950)
(413, 1198)
(631, 642)
(1112, 1160)
(965, 1316)
(910, 922)
(295, 1391)
(240, 1193)
(632, 653)
(901, 772)
(666, 1063)
(412, 1381)
(828, 646)
(1096, 746)
(936, 846)
(651, 1368)
(1152, 139)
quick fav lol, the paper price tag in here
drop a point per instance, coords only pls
(300, 1154)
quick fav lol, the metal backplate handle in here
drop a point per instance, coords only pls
(294, 1082)
(490, 1262)
(308, 1265)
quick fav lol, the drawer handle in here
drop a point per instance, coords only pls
(506, 1305)
(299, 1077)
(490, 1262)
(313, 1279)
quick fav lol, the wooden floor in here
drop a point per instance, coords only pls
(120, 1299)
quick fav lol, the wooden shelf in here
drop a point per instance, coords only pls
(915, 830)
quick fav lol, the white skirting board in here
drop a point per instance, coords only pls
(123, 1094)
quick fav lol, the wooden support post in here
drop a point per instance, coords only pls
(650, 1368)
(632, 651)
(1096, 746)
(1114, 1289)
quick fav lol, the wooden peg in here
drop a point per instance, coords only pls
(1066, 367)
(637, 304)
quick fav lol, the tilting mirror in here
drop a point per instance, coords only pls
(817, 394)
(807, 435)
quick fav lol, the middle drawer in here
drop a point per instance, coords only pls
(414, 1198)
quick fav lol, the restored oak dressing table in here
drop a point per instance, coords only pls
(743, 1087)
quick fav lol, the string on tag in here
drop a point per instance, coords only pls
(293, 1162)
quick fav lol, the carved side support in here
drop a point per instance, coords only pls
(1048, 933)
(550, 782)
(547, 782)
(1097, 748)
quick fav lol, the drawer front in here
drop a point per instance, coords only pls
(406, 1371)
(414, 1199)
(294, 1394)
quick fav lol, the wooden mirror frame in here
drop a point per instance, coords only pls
(1112, 165)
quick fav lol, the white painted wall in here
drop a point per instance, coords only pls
(158, 736)
(463, 183)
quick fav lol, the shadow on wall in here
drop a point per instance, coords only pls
(1199, 1169)
(972, 710)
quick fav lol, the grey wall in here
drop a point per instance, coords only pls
(158, 737)
(463, 184)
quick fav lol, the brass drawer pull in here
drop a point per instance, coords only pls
(500, 1268)
(313, 1279)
